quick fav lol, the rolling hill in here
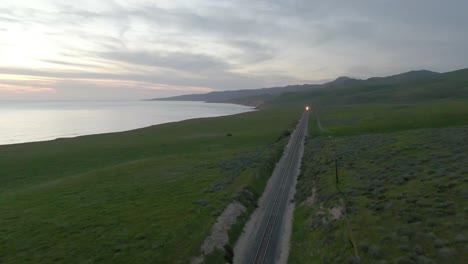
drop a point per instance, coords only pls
(409, 86)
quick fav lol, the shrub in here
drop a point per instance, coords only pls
(375, 251)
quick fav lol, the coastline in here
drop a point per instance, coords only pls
(106, 132)
(255, 105)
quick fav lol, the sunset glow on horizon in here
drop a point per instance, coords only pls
(140, 49)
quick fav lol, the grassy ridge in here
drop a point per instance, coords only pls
(403, 190)
(412, 86)
(405, 88)
(141, 196)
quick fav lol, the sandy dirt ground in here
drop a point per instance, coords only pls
(219, 232)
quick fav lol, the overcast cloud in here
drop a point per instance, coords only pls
(143, 49)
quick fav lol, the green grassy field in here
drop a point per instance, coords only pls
(346, 120)
(401, 196)
(152, 195)
(148, 195)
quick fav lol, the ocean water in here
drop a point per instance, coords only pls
(37, 121)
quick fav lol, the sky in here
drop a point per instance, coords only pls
(135, 49)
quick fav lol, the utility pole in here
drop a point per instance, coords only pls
(336, 170)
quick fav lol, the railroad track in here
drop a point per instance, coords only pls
(270, 232)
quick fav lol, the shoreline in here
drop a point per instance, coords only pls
(78, 135)
(255, 106)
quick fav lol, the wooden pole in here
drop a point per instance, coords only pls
(336, 170)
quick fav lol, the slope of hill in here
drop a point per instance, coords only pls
(224, 96)
(262, 97)
(408, 87)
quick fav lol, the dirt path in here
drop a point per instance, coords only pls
(219, 232)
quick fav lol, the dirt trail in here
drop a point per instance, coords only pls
(219, 232)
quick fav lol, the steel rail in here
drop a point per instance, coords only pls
(281, 190)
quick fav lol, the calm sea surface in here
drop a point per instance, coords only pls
(36, 121)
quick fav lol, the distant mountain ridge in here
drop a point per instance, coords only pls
(258, 97)
(221, 96)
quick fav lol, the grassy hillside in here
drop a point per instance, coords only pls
(420, 85)
(393, 89)
(401, 193)
(412, 86)
(227, 96)
(148, 195)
